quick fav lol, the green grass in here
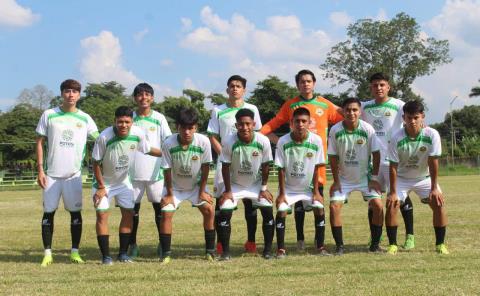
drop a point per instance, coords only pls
(417, 272)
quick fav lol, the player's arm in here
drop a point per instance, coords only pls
(155, 152)
(392, 195)
(435, 193)
(333, 160)
(264, 193)
(41, 178)
(316, 194)
(202, 193)
(217, 147)
(373, 182)
(226, 181)
(280, 119)
(101, 192)
(168, 198)
(281, 187)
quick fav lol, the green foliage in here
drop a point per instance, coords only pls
(217, 99)
(475, 91)
(394, 47)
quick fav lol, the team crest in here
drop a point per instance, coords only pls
(309, 154)
(152, 128)
(255, 153)
(423, 148)
(132, 147)
(79, 124)
(359, 141)
(319, 111)
(388, 113)
(194, 157)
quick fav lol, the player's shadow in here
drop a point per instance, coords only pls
(59, 255)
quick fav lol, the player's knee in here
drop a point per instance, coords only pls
(76, 218)
(47, 218)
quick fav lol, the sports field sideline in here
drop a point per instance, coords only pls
(417, 272)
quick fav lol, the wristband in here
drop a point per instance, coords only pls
(264, 188)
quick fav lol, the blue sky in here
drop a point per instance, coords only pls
(198, 44)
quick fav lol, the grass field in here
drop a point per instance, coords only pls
(417, 272)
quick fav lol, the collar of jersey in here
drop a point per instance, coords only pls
(308, 136)
(149, 114)
(243, 104)
(353, 131)
(381, 104)
(307, 100)
(253, 139)
(116, 135)
(180, 143)
(65, 112)
(414, 139)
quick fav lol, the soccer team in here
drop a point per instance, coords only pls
(374, 147)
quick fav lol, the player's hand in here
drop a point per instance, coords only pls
(42, 179)
(281, 198)
(335, 187)
(392, 200)
(318, 197)
(204, 196)
(226, 195)
(373, 185)
(265, 194)
(437, 197)
(97, 197)
(166, 200)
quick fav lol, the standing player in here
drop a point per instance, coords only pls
(351, 144)
(187, 158)
(146, 172)
(413, 155)
(245, 167)
(322, 113)
(298, 157)
(220, 126)
(113, 156)
(65, 129)
(385, 115)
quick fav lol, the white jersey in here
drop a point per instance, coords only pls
(147, 167)
(186, 163)
(222, 121)
(66, 134)
(412, 154)
(299, 161)
(386, 119)
(246, 159)
(353, 150)
(117, 154)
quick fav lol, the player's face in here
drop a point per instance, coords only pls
(186, 132)
(70, 96)
(123, 125)
(306, 85)
(235, 90)
(144, 99)
(300, 124)
(379, 89)
(414, 122)
(351, 112)
(245, 126)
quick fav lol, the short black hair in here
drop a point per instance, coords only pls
(71, 84)
(242, 80)
(123, 111)
(187, 116)
(244, 112)
(301, 111)
(304, 72)
(351, 100)
(142, 87)
(379, 76)
(413, 107)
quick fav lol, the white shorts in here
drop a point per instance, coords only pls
(123, 197)
(68, 188)
(154, 190)
(348, 188)
(179, 196)
(421, 187)
(306, 198)
(384, 177)
(240, 192)
(218, 186)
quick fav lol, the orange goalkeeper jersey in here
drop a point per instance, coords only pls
(322, 113)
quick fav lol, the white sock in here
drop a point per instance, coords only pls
(48, 252)
(74, 250)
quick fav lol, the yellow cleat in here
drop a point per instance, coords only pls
(392, 249)
(166, 260)
(75, 258)
(47, 260)
(442, 249)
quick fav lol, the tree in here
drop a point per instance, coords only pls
(38, 97)
(394, 47)
(217, 99)
(475, 91)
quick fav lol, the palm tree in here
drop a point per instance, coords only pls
(475, 91)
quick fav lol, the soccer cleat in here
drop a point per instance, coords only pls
(409, 242)
(219, 248)
(124, 258)
(75, 258)
(166, 260)
(322, 251)
(281, 254)
(250, 247)
(442, 249)
(210, 257)
(225, 257)
(300, 245)
(339, 250)
(133, 250)
(375, 249)
(370, 240)
(107, 260)
(47, 260)
(267, 255)
(392, 249)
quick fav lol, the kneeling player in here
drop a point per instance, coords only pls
(245, 166)
(350, 145)
(298, 157)
(113, 155)
(413, 155)
(186, 161)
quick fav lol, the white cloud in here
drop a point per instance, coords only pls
(166, 62)
(381, 15)
(189, 84)
(14, 15)
(340, 18)
(186, 24)
(138, 36)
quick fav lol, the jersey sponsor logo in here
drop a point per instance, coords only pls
(309, 155)
(122, 163)
(412, 162)
(377, 124)
(350, 158)
(255, 153)
(245, 168)
(423, 148)
(194, 157)
(297, 168)
(185, 171)
(67, 137)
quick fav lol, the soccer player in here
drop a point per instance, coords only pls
(384, 113)
(298, 156)
(351, 144)
(245, 167)
(220, 126)
(413, 155)
(113, 156)
(187, 158)
(146, 172)
(65, 129)
(322, 113)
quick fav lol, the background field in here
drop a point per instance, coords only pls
(417, 272)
